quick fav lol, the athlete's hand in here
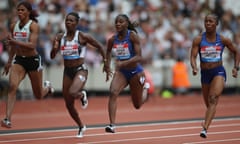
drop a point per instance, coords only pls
(194, 71)
(108, 71)
(6, 68)
(234, 72)
(10, 40)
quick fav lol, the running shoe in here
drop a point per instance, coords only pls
(81, 131)
(203, 133)
(84, 99)
(48, 85)
(6, 123)
(145, 91)
(110, 128)
(146, 85)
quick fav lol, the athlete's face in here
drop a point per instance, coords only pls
(121, 23)
(22, 12)
(210, 23)
(71, 22)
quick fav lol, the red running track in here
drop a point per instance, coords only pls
(159, 121)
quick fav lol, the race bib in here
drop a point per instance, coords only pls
(70, 50)
(21, 36)
(121, 50)
(211, 52)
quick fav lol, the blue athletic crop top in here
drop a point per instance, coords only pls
(72, 49)
(211, 51)
(123, 49)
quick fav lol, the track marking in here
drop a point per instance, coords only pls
(128, 132)
(213, 141)
(122, 126)
(159, 137)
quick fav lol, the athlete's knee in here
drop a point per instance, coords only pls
(38, 97)
(137, 105)
(38, 94)
(73, 92)
(69, 105)
(113, 93)
(12, 88)
(213, 99)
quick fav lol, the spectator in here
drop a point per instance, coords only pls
(180, 79)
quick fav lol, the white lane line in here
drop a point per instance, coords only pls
(131, 125)
(127, 132)
(163, 137)
(214, 141)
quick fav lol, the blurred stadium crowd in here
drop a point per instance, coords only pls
(166, 27)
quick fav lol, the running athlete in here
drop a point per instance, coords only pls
(210, 45)
(125, 45)
(73, 45)
(23, 58)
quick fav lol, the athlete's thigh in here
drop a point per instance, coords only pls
(136, 85)
(217, 85)
(36, 81)
(205, 93)
(118, 83)
(16, 75)
(65, 88)
(79, 80)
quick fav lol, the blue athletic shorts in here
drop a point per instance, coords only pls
(208, 75)
(129, 73)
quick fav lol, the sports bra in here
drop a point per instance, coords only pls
(72, 49)
(123, 49)
(211, 51)
(22, 34)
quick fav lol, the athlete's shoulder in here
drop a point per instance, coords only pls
(13, 24)
(112, 37)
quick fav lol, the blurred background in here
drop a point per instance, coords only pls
(166, 29)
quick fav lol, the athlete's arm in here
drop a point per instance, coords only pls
(194, 53)
(56, 45)
(228, 43)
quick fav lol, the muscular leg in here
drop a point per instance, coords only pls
(78, 84)
(37, 86)
(17, 74)
(137, 90)
(215, 90)
(71, 91)
(117, 85)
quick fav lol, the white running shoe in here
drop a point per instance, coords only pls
(203, 133)
(47, 84)
(6, 123)
(84, 99)
(110, 128)
(145, 91)
(81, 131)
(146, 85)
